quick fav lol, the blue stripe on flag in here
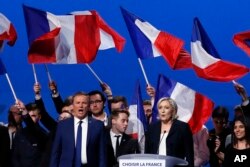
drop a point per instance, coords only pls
(199, 34)
(36, 23)
(142, 44)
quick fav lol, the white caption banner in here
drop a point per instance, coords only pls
(142, 162)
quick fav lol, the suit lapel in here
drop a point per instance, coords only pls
(90, 129)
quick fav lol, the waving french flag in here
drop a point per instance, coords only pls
(150, 42)
(137, 120)
(242, 40)
(193, 107)
(68, 39)
(206, 61)
(7, 31)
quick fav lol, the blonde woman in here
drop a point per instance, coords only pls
(170, 136)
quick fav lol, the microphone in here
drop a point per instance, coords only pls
(164, 132)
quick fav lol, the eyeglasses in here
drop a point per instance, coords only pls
(219, 122)
(95, 102)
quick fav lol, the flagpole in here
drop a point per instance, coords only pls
(47, 71)
(143, 71)
(34, 73)
(11, 87)
(93, 72)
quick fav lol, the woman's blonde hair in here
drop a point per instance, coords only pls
(173, 105)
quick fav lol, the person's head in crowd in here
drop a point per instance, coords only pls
(119, 118)
(65, 115)
(33, 111)
(147, 106)
(96, 102)
(80, 105)
(14, 116)
(167, 109)
(241, 130)
(67, 105)
(220, 118)
(119, 102)
(238, 111)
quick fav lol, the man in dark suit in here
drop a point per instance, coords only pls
(29, 142)
(79, 141)
(119, 143)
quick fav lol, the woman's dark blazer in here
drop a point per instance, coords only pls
(179, 141)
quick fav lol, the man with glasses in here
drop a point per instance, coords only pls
(97, 104)
(221, 130)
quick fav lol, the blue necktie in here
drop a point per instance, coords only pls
(78, 161)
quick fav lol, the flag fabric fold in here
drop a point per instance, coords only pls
(150, 42)
(193, 107)
(242, 40)
(137, 119)
(7, 31)
(68, 39)
(206, 61)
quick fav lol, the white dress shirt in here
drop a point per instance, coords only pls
(163, 144)
(84, 137)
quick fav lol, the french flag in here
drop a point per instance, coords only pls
(206, 61)
(193, 107)
(150, 42)
(137, 120)
(7, 31)
(242, 40)
(68, 39)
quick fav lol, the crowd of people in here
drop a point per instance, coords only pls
(85, 135)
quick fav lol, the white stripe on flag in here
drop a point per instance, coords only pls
(65, 53)
(185, 99)
(150, 32)
(200, 57)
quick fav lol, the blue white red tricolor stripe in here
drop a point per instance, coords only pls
(68, 39)
(7, 31)
(193, 107)
(150, 42)
(137, 120)
(206, 61)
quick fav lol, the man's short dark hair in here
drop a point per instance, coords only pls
(115, 113)
(97, 92)
(117, 99)
(32, 106)
(220, 112)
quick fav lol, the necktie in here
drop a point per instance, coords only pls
(78, 156)
(117, 144)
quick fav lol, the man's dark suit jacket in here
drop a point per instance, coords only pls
(28, 146)
(64, 144)
(179, 141)
(127, 146)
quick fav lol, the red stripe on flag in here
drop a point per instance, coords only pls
(87, 38)
(222, 71)
(42, 50)
(118, 40)
(239, 40)
(203, 108)
(171, 49)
